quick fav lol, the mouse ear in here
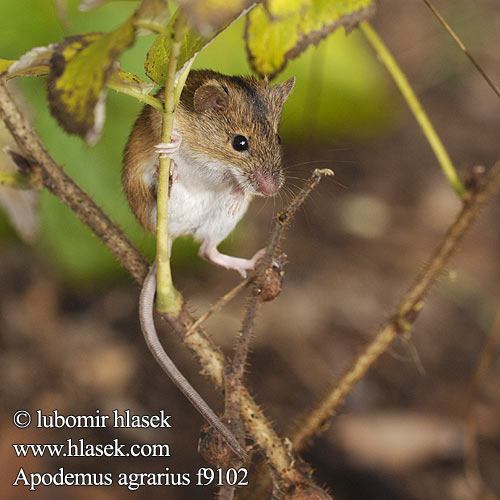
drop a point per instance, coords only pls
(209, 96)
(283, 90)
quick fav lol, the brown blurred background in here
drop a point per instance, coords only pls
(69, 332)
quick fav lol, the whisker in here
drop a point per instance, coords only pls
(296, 178)
(310, 162)
(343, 186)
(263, 205)
(285, 195)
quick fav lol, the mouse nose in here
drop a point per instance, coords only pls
(266, 183)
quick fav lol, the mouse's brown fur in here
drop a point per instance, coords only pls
(213, 108)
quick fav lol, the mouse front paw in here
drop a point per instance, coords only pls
(168, 149)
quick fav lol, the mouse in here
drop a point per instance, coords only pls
(225, 150)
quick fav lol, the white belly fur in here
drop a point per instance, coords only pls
(203, 202)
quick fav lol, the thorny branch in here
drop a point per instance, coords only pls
(285, 217)
(471, 458)
(63, 187)
(43, 167)
(279, 456)
(405, 314)
(269, 260)
(268, 272)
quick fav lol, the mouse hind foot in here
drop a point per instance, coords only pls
(209, 251)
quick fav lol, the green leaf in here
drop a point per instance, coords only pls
(129, 84)
(128, 79)
(285, 29)
(206, 16)
(159, 53)
(192, 44)
(79, 70)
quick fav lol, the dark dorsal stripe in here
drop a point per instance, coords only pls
(258, 105)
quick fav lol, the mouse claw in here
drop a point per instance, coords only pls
(168, 149)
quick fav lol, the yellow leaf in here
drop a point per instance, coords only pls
(280, 30)
(281, 8)
(79, 69)
(5, 64)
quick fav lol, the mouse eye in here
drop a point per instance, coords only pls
(279, 138)
(240, 143)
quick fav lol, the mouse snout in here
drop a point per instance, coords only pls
(267, 183)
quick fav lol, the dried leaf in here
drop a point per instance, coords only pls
(276, 33)
(208, 15)
(21, 208)
(33, 63)
(79, 70)
(20, 205)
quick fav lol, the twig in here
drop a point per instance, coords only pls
(462, 46)
(218, 305)
(471, 462)
(233, 381)
(226, 493)
(212, 360)
(64, 188)
(151, 26)
(285, 217)
(146, 303)
(132, 92)
(418, 111)
(404, 316)
(282, 221)
(168, 299)
(200, 344)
